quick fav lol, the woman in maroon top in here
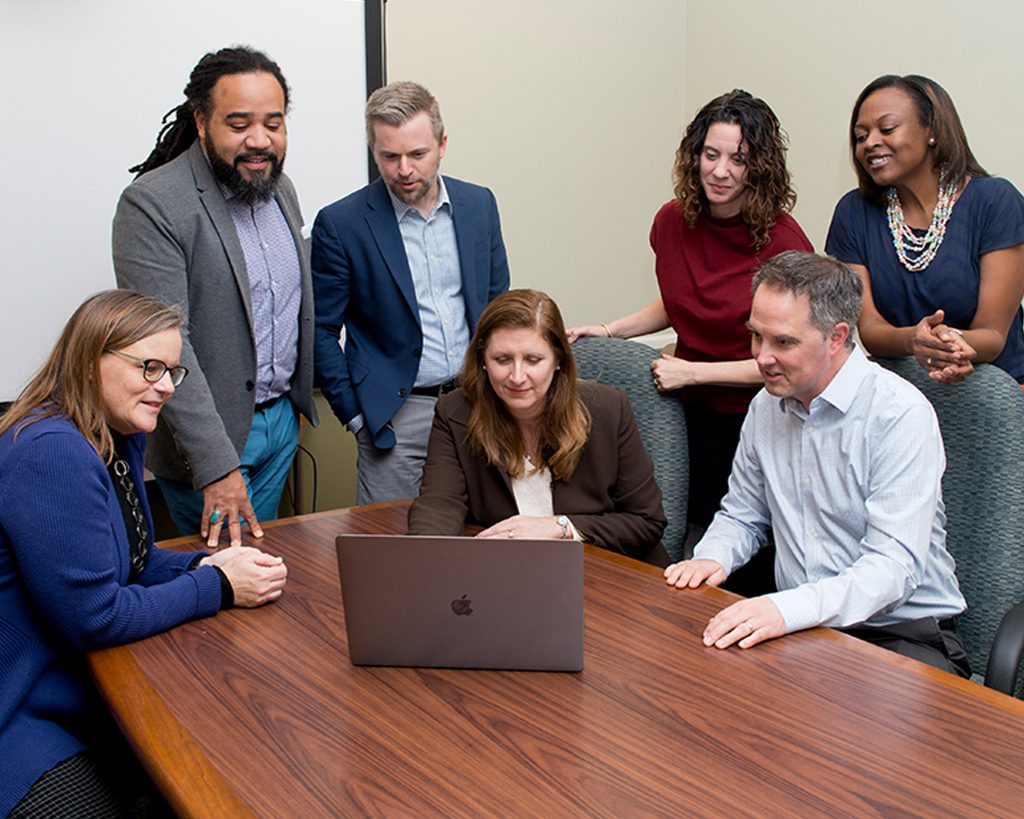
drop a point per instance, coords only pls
(730, 213)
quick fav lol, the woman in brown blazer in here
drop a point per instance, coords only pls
(525, 451)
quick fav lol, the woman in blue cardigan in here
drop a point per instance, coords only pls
(78, 568)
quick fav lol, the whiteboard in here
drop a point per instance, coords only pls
(86, 84)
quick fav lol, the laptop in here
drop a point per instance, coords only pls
(461, 602)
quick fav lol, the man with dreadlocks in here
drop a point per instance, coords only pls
(212, 225)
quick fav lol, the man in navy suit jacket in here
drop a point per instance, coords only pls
(403, 267)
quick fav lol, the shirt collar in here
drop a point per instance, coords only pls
(842, 389)
(401, 208)
(845, 385)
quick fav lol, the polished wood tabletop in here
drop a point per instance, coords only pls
(260, 713)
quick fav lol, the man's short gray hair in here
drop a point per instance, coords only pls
(834, 290)
(397, 103)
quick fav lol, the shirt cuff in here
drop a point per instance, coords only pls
(710, 549)
(797, 607)
(356, 423)
(227, 593)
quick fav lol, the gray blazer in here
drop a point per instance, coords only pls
(174, 239)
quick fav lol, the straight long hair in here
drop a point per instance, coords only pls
(565, 422)
(68, 383)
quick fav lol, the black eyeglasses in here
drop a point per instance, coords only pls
(153, 369)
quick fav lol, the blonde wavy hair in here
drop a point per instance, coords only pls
(68, 383)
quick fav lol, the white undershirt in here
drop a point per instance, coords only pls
(533, 495)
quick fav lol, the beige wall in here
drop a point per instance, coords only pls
(571, 112)
(335, 451)
(809, 60)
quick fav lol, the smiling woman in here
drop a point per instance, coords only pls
(525, 451)
(938, 243)
(78, 567)
(132, 403)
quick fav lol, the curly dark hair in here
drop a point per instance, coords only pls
(176, 136)
(951, 155)
(768, 186)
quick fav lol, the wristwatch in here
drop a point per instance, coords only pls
(563, 521)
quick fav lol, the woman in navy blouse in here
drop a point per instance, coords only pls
(938, 242)
(78, 568)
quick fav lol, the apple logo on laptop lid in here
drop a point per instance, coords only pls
(462, 605)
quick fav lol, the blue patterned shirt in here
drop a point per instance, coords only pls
(275, 281)
(852, 490)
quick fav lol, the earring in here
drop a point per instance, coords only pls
(931, 141)
(484, 368)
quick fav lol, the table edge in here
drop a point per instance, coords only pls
(177, 767)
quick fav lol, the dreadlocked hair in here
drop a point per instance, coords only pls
(179, 133)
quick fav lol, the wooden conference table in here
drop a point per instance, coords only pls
(260, 713)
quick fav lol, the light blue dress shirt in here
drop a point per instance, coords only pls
(433, 256)
(852, 491)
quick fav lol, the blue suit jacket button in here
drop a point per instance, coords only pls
(402, 392)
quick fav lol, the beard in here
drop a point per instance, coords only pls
(251, 191)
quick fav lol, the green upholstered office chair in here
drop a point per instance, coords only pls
(982, 423)
(626, 365)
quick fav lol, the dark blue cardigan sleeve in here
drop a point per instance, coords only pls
(65, 527)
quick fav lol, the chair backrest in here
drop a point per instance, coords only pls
(626, 365)
(982, 423)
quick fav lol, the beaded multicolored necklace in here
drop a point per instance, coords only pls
(916, 252)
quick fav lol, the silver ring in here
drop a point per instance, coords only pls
(508, 533)
(751, 627)
(928, 361)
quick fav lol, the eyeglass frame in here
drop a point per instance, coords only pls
(147, 362)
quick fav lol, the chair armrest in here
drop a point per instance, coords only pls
(1007, 651)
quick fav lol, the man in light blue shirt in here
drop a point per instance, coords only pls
(843, 460)
(402, 270)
